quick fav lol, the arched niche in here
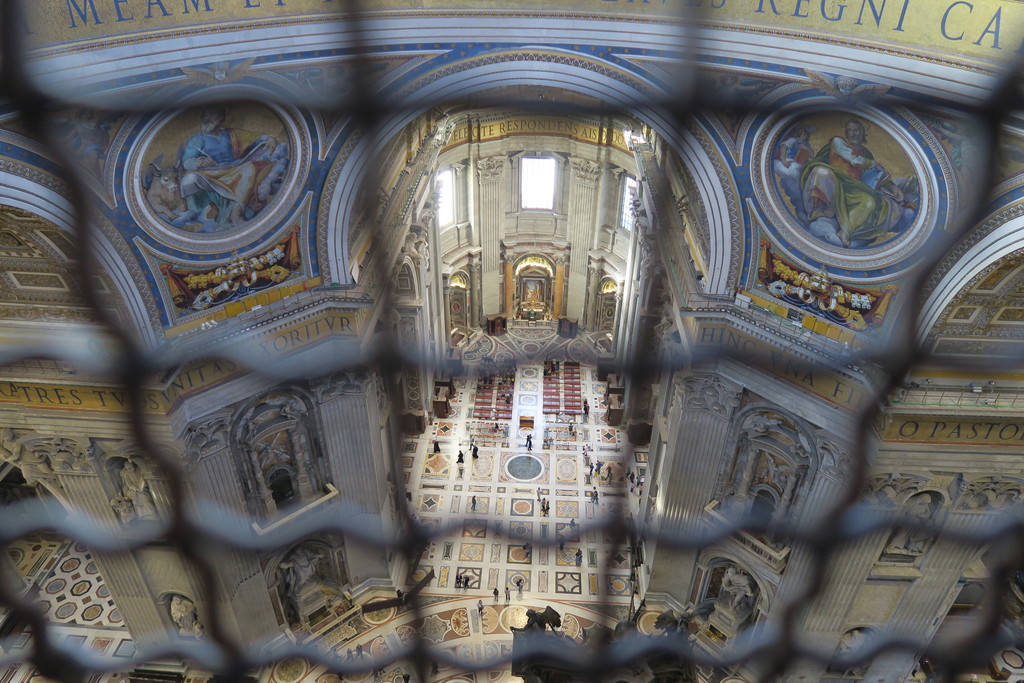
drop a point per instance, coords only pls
(773, 464)
(728, 597)
(308, 583)
(907, 544)
(533, 287)
(607, 301)
(276, 449)
(459, 299)
(182, 616)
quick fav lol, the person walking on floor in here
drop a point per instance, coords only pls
(495, 595)
(597, 466)
(480, 607)
(519, 585)
(473, 506)
(437, 446)
(476, 452)
(508, 594)
(529, 442)
(460, 459)
(579, 557)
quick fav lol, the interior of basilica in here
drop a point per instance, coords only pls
(581, 340)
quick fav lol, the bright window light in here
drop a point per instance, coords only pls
(538, 183)
(627, 219)
(446, 198)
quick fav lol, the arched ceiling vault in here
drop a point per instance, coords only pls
(626, 62)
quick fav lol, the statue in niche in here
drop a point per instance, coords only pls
(184, 615)
(34, 464)
(135, 488)
(302, 570)
(124, 509)
(736, 596)
(913, 541)
(307, 588)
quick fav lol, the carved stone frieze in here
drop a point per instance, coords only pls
(207, 437)
(490, 168)
(707, 392)
(990, 494)
(346, 382)
(893, 489)
(586, 171)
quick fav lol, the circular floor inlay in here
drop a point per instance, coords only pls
(524, 467)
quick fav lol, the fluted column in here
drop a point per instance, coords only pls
(582, 215)
(215, 477)
(349, 403)
(700, 416)
(490, 171)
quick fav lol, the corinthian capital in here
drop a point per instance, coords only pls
(490, 168)
(707, 392)
(585, 170)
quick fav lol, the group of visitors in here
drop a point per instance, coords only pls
(552, 367)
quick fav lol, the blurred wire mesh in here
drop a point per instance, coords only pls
(200, 535)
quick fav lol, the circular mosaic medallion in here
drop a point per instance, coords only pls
(524, 467)
(215, 174)
(290, 670)
(530, 347)
(646, 623)
(56, 586)
(81, 588)
(856, 218)
(380, 616)
(513, 616)
(65, 610)
(92, 612)
(70, 564)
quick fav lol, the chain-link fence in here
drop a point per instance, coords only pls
(200, 535)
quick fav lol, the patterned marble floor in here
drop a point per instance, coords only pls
(492, 531)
